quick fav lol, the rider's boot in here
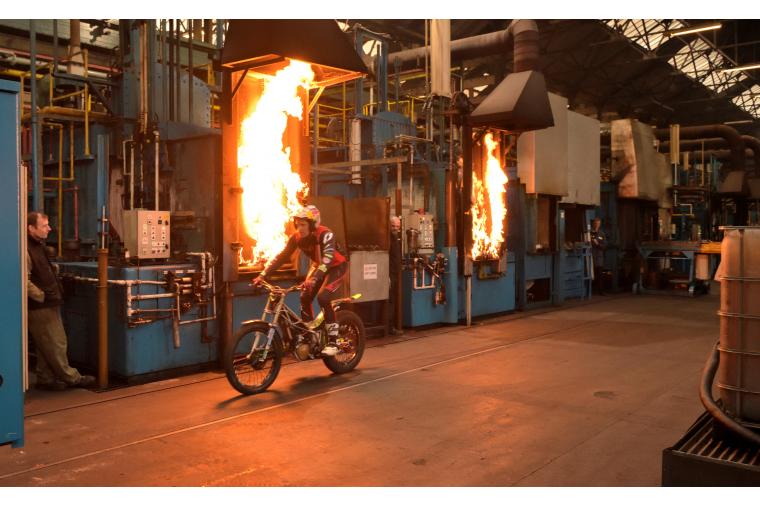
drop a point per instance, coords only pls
(332, 335)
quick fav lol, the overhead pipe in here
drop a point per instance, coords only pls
(720, 154)
(522, 32)
(696, 144)
(733, 138)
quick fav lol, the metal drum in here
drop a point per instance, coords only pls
(738, 376)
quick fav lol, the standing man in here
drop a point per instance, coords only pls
(598, 245)
(394, 267)
(45, 325)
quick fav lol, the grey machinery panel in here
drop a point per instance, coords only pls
(369, 275)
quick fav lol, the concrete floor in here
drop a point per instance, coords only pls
(586, 395)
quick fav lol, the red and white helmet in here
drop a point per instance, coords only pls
(310, 213)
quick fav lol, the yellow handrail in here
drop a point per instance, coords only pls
(59, 179)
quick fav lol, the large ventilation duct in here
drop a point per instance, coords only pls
(520, 102)
(735, 142)
(522, 32)
(754, 144)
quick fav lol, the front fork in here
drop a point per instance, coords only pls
(270, 335)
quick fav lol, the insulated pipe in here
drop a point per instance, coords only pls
(102, 317)
(733, 138)
(696, 144)
(75, 43)
(754, 144)
(721, 154)
(705, 395)
(156, 182)
(523, 32)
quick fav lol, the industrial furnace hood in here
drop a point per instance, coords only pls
(518, 104)
(263, 45)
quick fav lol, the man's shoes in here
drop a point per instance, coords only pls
(55, 386)
(85, 381)
(330, 350)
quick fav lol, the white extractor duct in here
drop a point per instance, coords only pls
(440, 57)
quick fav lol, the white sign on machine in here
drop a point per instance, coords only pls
(370, 271)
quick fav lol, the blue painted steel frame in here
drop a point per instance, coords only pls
(11, 273)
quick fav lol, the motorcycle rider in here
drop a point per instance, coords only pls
(329, 266)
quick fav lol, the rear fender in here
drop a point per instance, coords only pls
(345, 300)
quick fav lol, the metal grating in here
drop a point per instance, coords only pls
(704, 442)
(705, 456)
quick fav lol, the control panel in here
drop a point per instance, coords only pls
(420, 233)
(146, 233)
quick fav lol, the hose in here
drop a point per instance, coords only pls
(705, 395)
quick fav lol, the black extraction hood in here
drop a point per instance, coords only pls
(263, 45)
(519, 103)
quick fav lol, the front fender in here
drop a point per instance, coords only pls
(263, 322)
(249, 322)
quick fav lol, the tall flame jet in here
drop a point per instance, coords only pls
(489, 206)
(271, 189)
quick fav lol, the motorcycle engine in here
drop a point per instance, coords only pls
(302, 351)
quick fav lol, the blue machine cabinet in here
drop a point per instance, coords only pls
(492, 292)
(12, 295)
(134, 350)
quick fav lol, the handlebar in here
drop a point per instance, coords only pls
(278, 290)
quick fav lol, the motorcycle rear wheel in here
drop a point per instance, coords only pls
(351, 330)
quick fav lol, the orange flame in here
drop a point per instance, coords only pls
(271, 190)
(485, 243)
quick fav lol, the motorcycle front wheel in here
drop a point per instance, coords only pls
(251, 368)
